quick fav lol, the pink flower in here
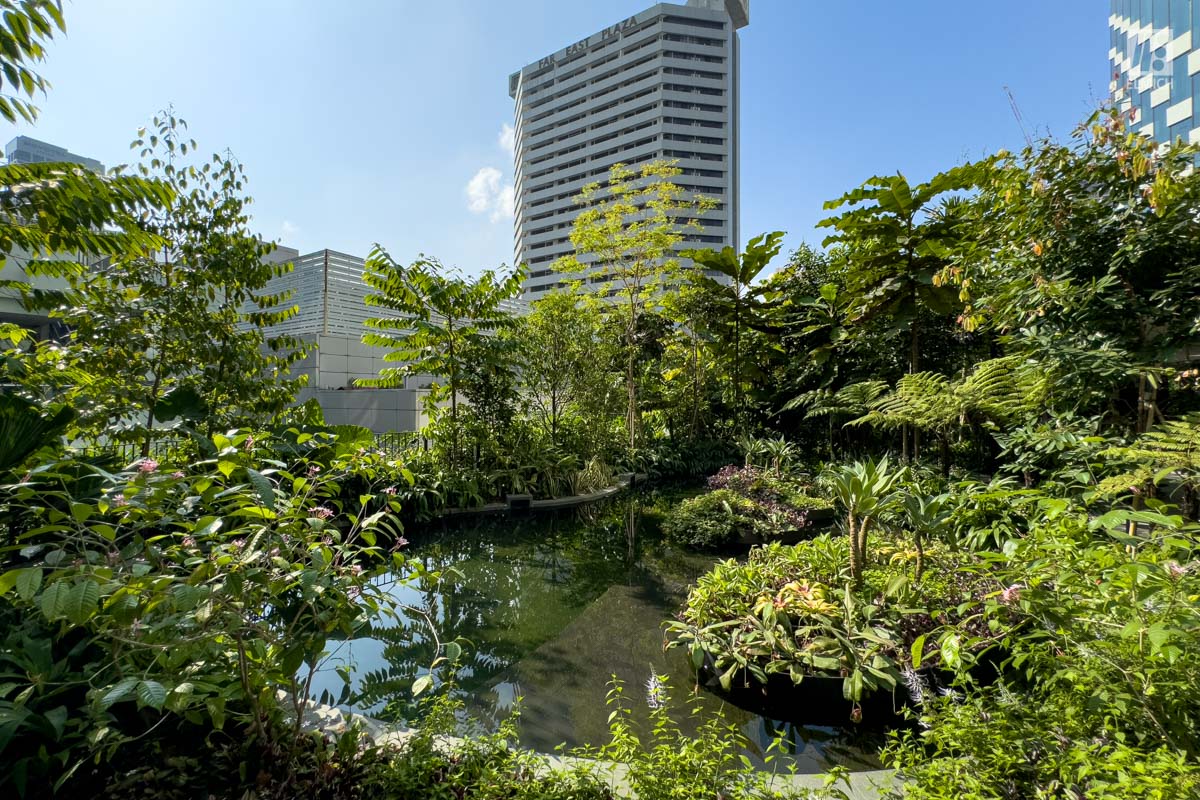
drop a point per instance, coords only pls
(356, 570)
(391, 490)
(249, 445)
(147, 465)
(314, 470)
(238, 544)
(1175, 570)
(177, 474)
(1012, 594)
(400, 542)
(189, 541)
(321, 512)
(119, 500)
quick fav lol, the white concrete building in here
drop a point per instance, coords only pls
(662, 84)
(328, 289)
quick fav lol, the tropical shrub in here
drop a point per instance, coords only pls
(795, 610)
(156, 599)
(743, 503)
(712, 520)
(1103, 635)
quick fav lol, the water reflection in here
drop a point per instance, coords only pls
(550, 609)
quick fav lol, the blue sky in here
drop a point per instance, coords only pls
(366, 120)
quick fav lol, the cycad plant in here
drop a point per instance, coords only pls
(925, 515)
(867, 490)
(781, 453)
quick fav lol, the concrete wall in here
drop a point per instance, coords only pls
(381, 410)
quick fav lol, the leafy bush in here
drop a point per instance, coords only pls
(712, 520)
(157, 598)
(792, 610)
(661, 763)
(1103, 630)
(666, 764)
(744, 502)
(431, 764)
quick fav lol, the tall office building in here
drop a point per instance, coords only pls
(1155, 57)
(662, 84)
(26, 150)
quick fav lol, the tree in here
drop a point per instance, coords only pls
(441, 324)
(25, 28)
(998, 390)
(688, 373)
(179, 333)
(563, 359)
(734, 305)
(1086, 259)
(898, 240)
(630, 228)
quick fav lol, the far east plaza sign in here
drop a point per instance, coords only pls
(583, 44)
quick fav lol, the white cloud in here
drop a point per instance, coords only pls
(289, 230)
(487, 193)
(506, 203)
(508, 138)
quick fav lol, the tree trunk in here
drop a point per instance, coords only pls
(945, 448)
(863, 529)
(920, 545)
(855, 567)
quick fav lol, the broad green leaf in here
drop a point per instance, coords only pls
(29, 580)
(122, 690)
(266, 492)
(152, 694)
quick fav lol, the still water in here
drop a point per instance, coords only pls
(549, 610)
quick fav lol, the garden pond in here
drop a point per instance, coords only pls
(549, 609)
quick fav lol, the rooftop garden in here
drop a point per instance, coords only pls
(947, 469)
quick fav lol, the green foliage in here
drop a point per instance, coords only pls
(794, 610)
(743, 505)
(24, 430)
(733, 304)
(431, 764)
(1171, 450)
(442, 324)
(712, 520)
(1102, 632)
(178, 336)
(899, 237)
(1083, 257)
(158, 598)
(997, 390)
(28, 25)
(866, 490)
(564, 359)
(663, 763)
(629, 227)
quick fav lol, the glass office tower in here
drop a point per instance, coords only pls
(1155, 56)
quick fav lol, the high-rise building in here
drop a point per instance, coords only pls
(662, 84)
(1155, 57)
(26, 150)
